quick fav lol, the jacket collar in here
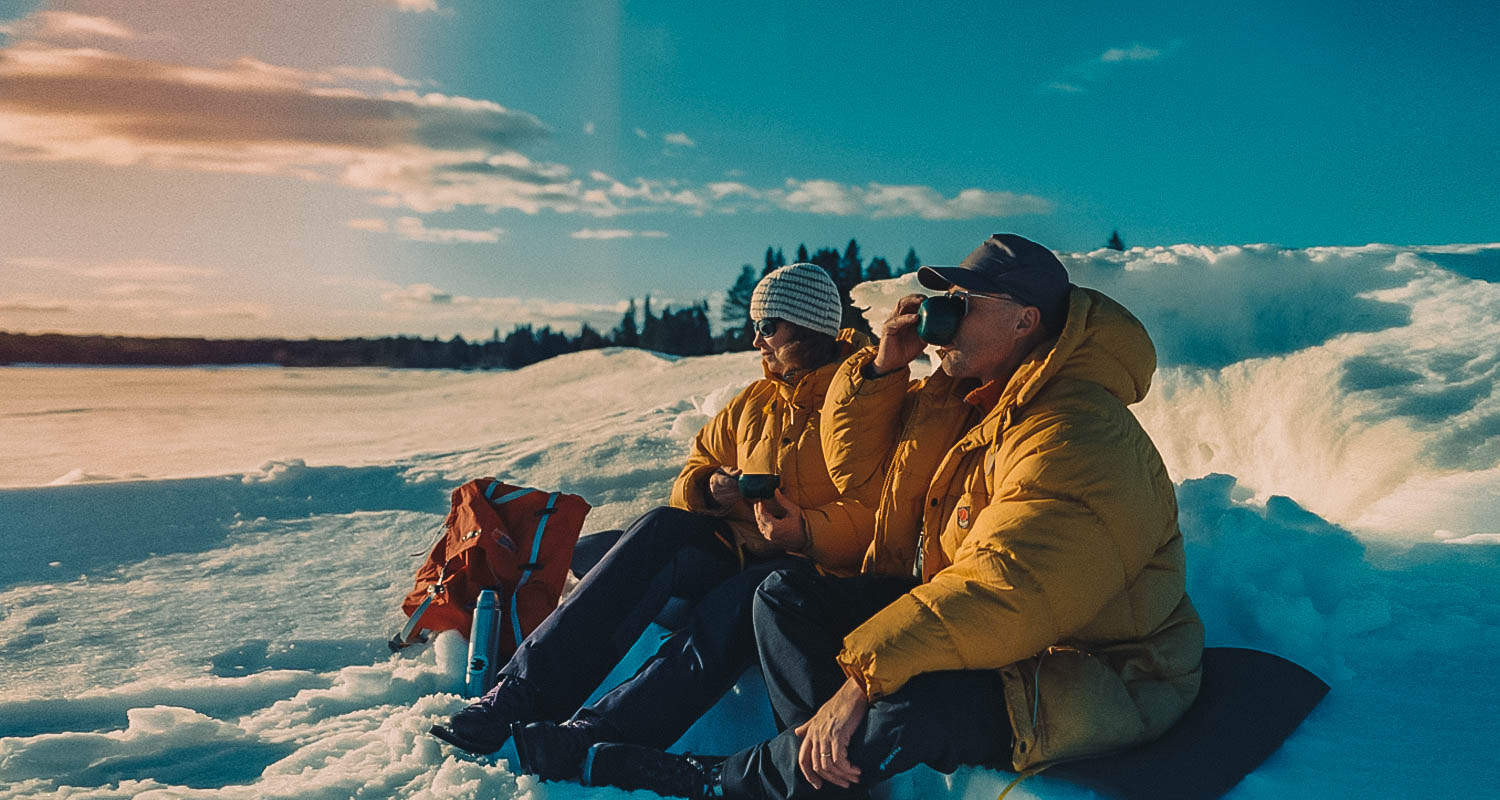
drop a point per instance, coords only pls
(1101, 343)
(811, 386)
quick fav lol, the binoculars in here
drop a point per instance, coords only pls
(755, 486)
(938, 318)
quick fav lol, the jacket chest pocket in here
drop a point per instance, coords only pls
(964, 509)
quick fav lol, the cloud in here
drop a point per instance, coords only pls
(60, 104)
(1135, 52)
(373, 225)
(71, 26)
(413, 229)
(366, 128)
(429, 306)
(680, 139)
(616, 233)
(588, 128)
(134, 269)
(641, 133)
(369, 75)
(1079, 77)
(417, 294)
(415, 6)
(33, 304)
(880, 200)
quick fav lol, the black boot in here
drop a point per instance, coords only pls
(633, 766)
(483, 726)
(555, 751)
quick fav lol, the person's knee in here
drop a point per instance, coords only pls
(782, 592)
(662, 525)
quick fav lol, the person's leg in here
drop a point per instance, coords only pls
(800, 623)
(694, 667)
(666, 552)
(941, 719)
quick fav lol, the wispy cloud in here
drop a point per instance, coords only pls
(417, 294)
(679, 139)
(415, 6)
(134, 269)
(421, 152)
(880, 200)
(371, 224)
(1080, 76)
(1135, 52)
(33, 304)
(430, 305)
(60, 104)
(413, 229)
(641, 133)
(616, 233)
(588, 128)
(69, 26)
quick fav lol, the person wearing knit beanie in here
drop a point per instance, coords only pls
(801, 294)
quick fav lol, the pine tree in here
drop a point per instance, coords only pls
(1115, 242)
(770, 263)
(879, 269)
(626, 334)
(780, 259)
(851, 268)
(736, 312)
(802, 254)
(651, 333)
(912, 263)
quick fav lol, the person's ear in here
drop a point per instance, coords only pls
(1028, 320)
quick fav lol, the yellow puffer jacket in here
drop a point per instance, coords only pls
(1048, 533)
(772, 427)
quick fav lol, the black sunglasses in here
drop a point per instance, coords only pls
(766, 326)
(938, 317)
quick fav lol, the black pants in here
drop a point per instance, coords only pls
(942, 719)
(665, 553)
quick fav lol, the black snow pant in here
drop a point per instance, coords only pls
(941, 719)
(665, 553)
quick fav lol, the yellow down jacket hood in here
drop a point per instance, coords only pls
(1047, 533)
(772, 426)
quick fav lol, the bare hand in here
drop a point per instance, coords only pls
(899, 344)
(724, 487)
(780, 522)
(824, 753)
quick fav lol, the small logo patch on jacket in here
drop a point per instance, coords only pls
(963, 517)
(505, 541)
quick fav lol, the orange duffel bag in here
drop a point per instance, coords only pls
(511, 539)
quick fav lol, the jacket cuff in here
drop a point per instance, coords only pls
(854, 667)
(694, 490)
(858, 379)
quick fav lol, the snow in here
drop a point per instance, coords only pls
(203, 564)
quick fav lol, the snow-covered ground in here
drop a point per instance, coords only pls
(202, 565)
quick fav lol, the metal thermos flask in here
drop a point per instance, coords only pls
(482, 637)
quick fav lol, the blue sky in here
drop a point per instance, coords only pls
(436, 166)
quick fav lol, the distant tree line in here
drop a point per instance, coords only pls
(684, 331)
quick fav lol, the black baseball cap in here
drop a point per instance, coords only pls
(1013, 265)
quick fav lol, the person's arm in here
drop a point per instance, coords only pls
(713, 452)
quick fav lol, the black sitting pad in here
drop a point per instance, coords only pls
(1249, 703)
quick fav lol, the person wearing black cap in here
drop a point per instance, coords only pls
(1023, 599)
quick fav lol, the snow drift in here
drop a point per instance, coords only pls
(197, 607)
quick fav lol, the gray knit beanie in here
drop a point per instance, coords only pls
(800, 293)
